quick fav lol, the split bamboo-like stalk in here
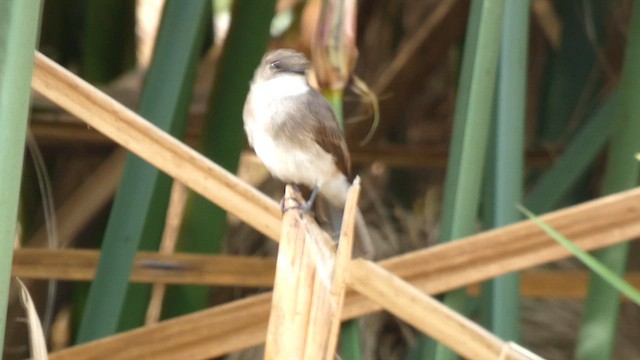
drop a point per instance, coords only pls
(154, 146)
(309, 289)
(294, 282)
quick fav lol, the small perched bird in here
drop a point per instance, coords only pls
(294, 131)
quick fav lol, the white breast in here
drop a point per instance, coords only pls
(278, 88)
(309, 166)
(266, 98)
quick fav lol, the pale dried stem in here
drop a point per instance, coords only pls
(424, 312)
(175, 213)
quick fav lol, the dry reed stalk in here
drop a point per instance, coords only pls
(557, 284)
(425, 313)
(168, 242)
(591, 225)
(424, 156)
(63, 133)
(186, 337)
(303, 306)
(81, 207)
(149, 267)
(155, 146)
(545, 15)
(343, 258)
(293, 284)
(445, 24)
(79, 265)
(401, 156)
(408, 52)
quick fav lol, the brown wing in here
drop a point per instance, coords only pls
(327, 132)
(313, 120)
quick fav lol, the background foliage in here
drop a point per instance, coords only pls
(540, 111)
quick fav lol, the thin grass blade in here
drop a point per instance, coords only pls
(613, 279)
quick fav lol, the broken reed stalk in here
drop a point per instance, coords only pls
(293, 285)
(426, 313)
(155, 146)
(241, 324)
(343, 258)
(309, 289)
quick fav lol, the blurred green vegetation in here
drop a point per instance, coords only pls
(137, 218)
(18, 38)
(526, 109)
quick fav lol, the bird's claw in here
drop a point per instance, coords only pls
(304, 208)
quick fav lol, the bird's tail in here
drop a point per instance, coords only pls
(365, 245)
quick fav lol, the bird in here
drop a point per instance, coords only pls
(295, 133)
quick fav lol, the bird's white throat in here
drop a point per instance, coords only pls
(282, 86)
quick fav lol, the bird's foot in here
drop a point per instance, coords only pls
(304, 208)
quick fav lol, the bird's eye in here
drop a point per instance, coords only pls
(276, 65)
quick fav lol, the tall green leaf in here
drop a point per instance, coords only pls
(19, 25)
(569, 82)
(556, 182)
(223, 139)
(472, 124)
(138, 213)
(598, 328)
(109, 39)
(350, 340)
(501, 296)
(426, 348)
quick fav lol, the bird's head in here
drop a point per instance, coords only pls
(281, 62)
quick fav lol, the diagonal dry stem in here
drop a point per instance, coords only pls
(156, 147)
